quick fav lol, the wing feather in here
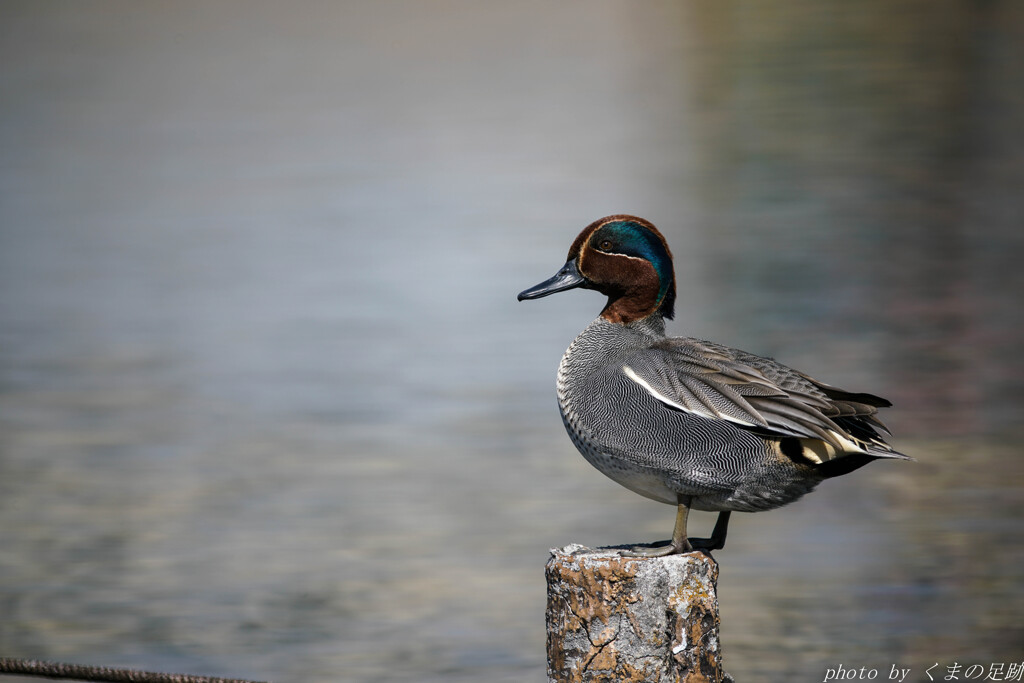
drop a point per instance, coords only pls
(757, 393)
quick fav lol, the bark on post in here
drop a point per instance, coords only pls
(614, 618)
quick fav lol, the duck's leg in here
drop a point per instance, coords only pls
(679, 542)
(717, 539)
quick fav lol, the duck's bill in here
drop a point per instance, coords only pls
(567, 278)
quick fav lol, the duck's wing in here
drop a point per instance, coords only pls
(761, 395)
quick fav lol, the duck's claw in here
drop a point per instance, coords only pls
(659, 550)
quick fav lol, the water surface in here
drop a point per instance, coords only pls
(269, 408)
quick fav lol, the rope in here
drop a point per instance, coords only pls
(76, 672)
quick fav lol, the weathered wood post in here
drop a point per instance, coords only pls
(632, 619)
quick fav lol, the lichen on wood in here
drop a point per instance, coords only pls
(632, 619)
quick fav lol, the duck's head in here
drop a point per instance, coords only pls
(625, 258)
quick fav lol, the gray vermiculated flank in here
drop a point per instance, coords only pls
(656, 451)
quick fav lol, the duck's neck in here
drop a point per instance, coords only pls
(626, 310)
(643, 299)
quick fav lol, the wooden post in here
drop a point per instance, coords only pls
(632, 619)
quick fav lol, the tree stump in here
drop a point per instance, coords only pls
(635, 619)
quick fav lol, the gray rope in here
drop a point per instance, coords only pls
(76, 672)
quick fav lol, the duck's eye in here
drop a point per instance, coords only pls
(605, 245)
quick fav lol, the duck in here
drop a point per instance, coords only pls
(687, 422)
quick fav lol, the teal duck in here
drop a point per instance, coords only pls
(687, 422)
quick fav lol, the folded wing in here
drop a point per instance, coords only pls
(761, 395)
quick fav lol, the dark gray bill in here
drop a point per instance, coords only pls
(567, 278)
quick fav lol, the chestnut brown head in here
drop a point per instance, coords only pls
(625, 258)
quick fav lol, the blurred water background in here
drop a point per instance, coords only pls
(269, 407)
